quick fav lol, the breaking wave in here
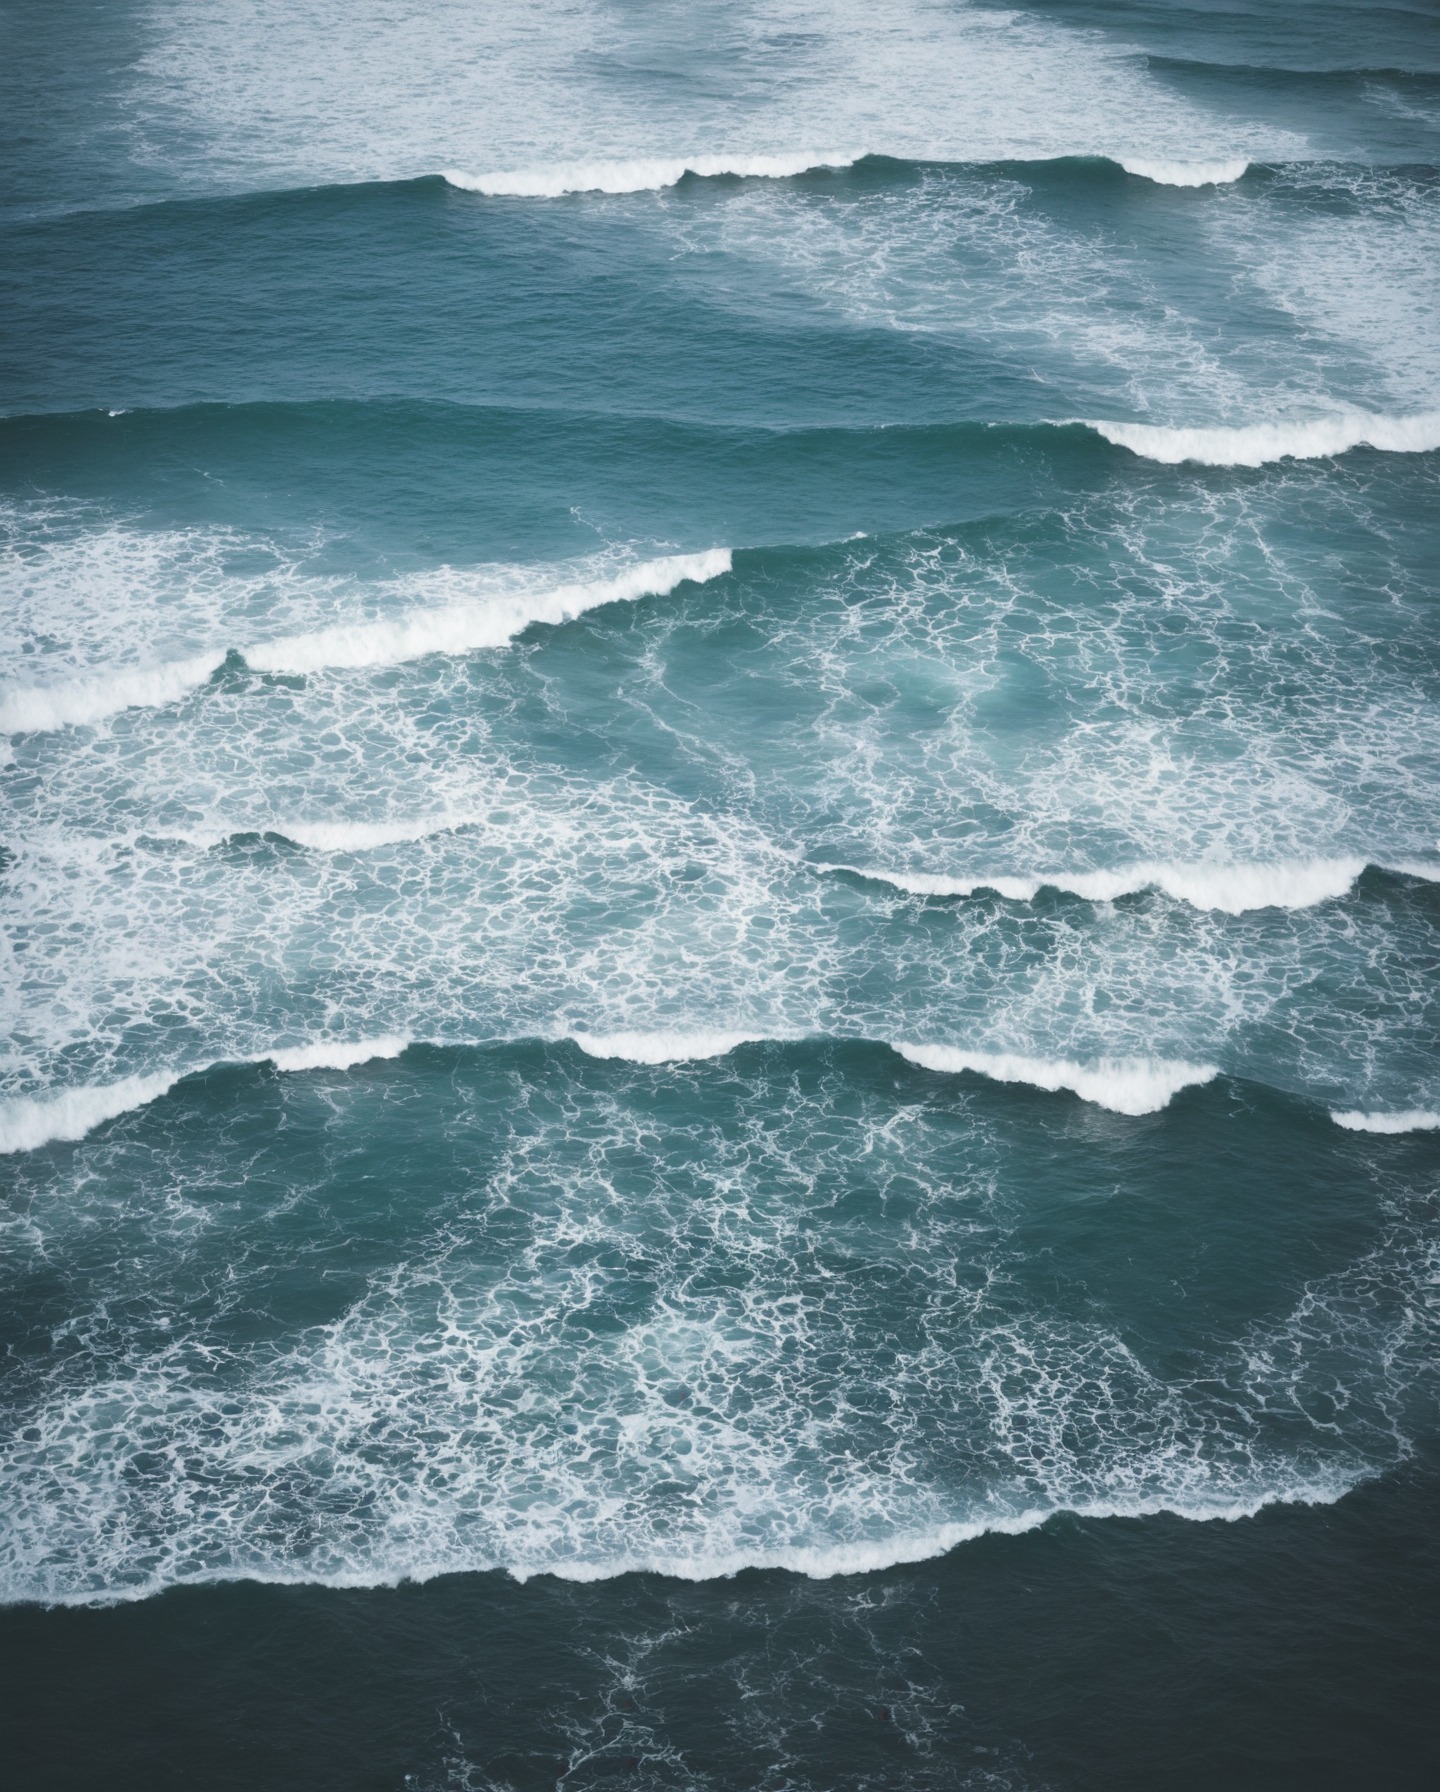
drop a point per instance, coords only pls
(1124, 1085)
(1256, 444)
(645, 175)
(1185, 174)
(489, 621)
(1230, 889)
(1409, 1120)
(28, 1122)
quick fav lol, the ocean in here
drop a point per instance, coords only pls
(720, 857)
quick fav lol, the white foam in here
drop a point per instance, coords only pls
(1254, 445)
(1185, 174)
(1408, 1120)
(464, 628)
(1124, 1085)
(1232, 889)
(366, 836)
(80, 701)
(493, 616)
(647, 174)
(333, 1055)
(662, 1048)
(27, 1123)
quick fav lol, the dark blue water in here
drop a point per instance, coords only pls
(721, 875)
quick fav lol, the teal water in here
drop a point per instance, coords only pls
(721, 871)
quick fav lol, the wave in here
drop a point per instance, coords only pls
(80, 701)
(1256, 444)
(455, 629)
(653, 173)
(29, 1122)
(1408, 1120)
(667, 1048)
(644, 175)
(1124, 1085)
(816, 1561)
(1185, 174)
(1232, 889)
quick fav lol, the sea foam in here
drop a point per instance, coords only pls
(491, 619)
(1185, 174)
(1256, 444)
(28, 1122)
(664, 1048)
(1124, 1085)
(647, 174)
(1232, 889)
(1406, 1120)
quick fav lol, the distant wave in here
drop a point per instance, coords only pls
(642, 175)
(1253, 445)
(1124, 1085)
(1232, 889)
(458, 628)
(28, 1122)
(1185, 174)
(1407, 1120)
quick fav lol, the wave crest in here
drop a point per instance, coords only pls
(644, 175)
(492, 621)
(1124, 1085)
(28, 1122)
(1232, 889)
(1256, 444)
(1185, 174)
(1407, 1120)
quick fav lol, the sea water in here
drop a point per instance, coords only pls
(721, 874)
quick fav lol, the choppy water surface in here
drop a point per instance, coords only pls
(721, 871)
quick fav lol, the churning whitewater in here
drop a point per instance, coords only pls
(720, 838)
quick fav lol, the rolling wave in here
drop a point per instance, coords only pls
(654, 173)
(1185, 174)
(457, 628)
(28, 1122)
(1255, 444)
(1231, 889)
(646, 175)
(1406, 1120)
(1124, 1085)
(819, 1561)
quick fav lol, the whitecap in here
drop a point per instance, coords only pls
(28, 1122)
(1406, 1120)
(1256, 444)
(1170, 173)
(1124, 1085)
(644, 175)
(464, 628)
(79, 701)
(491, 618)
(1231, 889)
(663, 1048)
